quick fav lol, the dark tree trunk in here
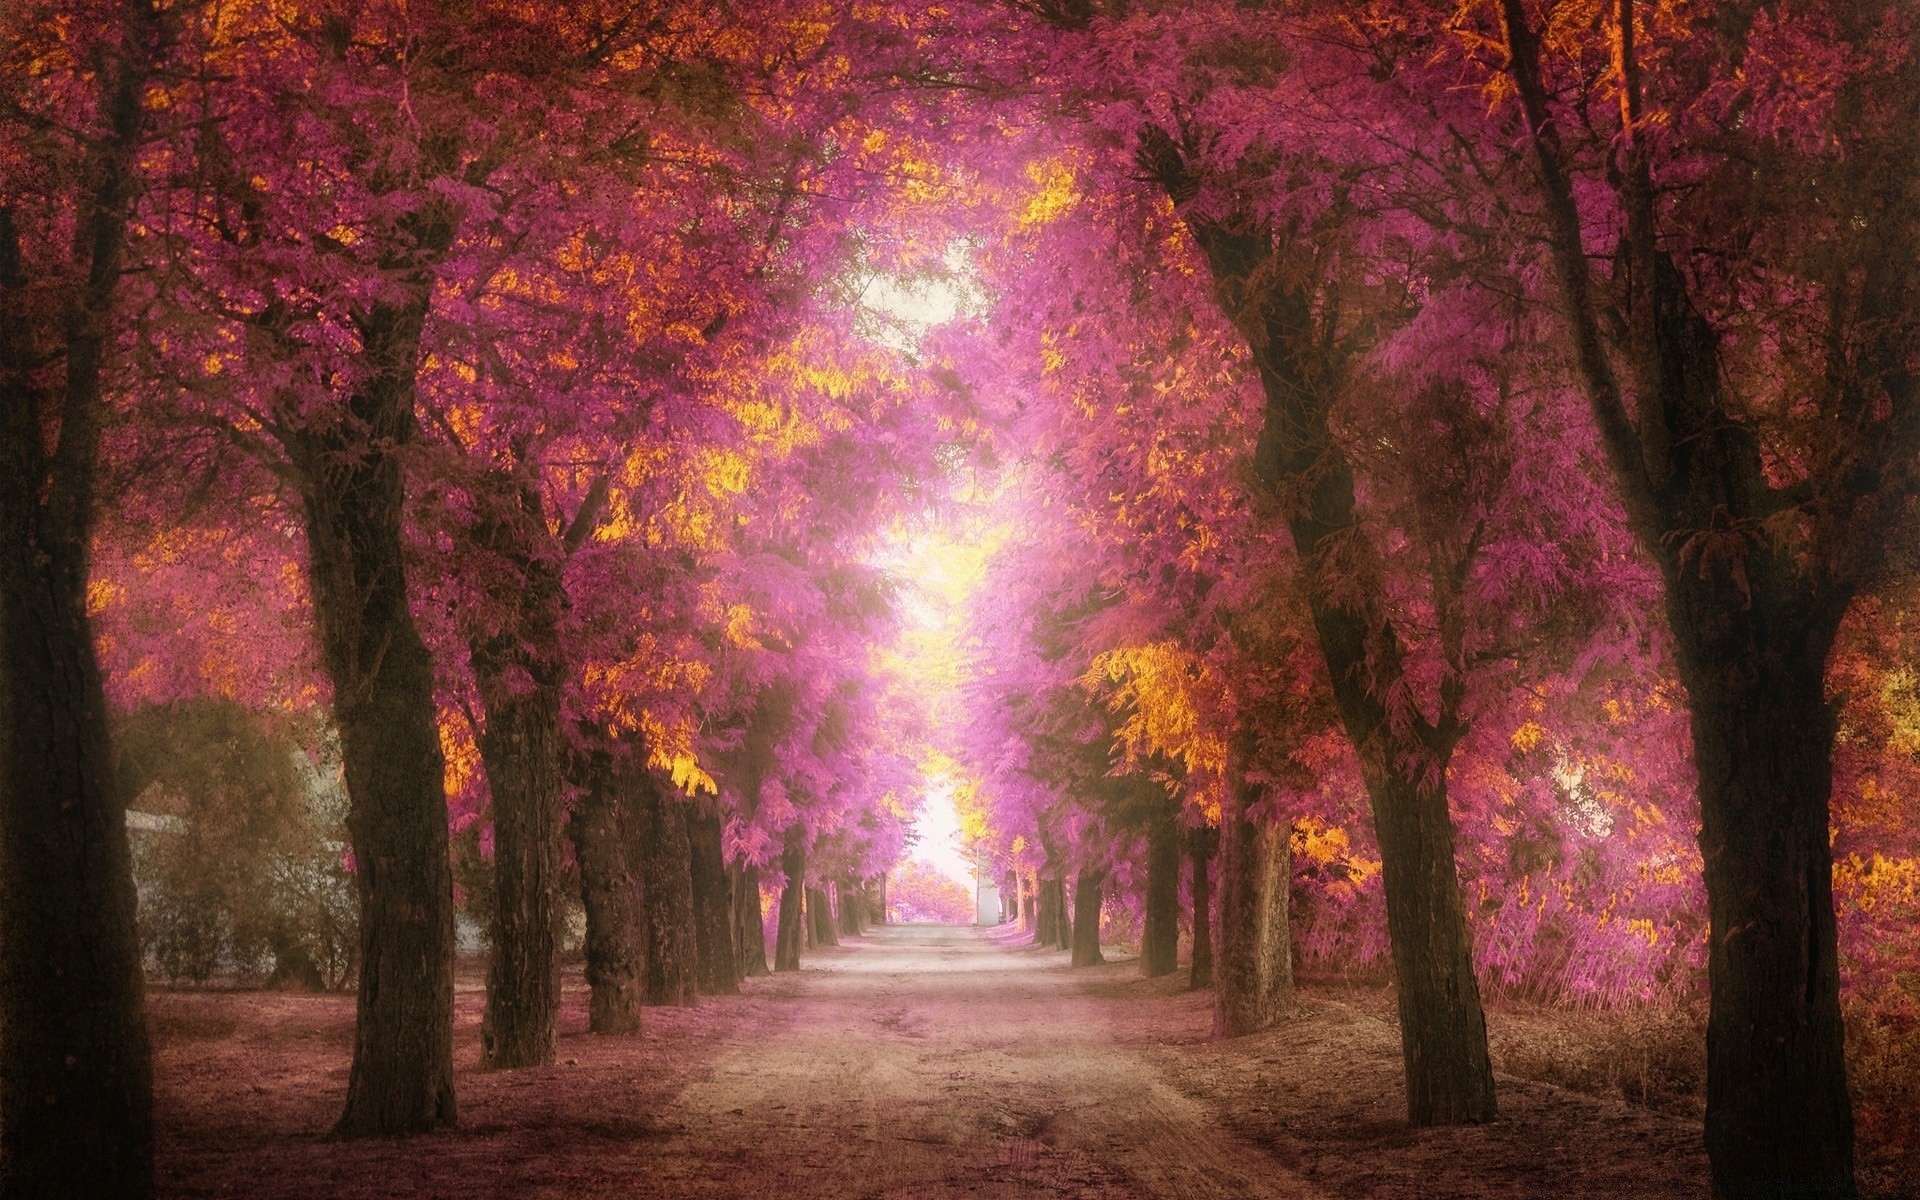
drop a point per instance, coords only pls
(76, 1075)
(1753, 627)
(1046, 925)
(1253, 982)
(1160, 932)
(1201, 844)
(1063, 915)
(880, 900)
(1443, 1034)
(1302, 471)
(789, 931)
(402, 1075)
(1088, 887)
(521, 747)
(852, 910)
(749, 922)
(1777, 1104)
(820, 918)
(610, 892)
(712, 907)
(666, 867)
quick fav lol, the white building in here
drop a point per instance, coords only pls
(986, 893)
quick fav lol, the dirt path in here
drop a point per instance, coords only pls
(931, 1061)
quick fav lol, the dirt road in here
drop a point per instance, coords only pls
(934, 1061)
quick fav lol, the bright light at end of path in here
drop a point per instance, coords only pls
(938, 828)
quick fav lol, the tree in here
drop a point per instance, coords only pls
(75, 1070)
(1759, 563)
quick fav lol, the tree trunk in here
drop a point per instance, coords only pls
(1046, 923)
(520, 747)
(712, 907)
(402, 1076)
(1254, 982)
(1779, 1122)
(1753, 632)
(749, 922)
(1087, 889)
(820, 918)
(1063, 916)
(522, 750)
(852, 910)
(75, 1070)
(76, 1074)
(1301, 469)
(880, 902)
(667, 872)
(610, 892)
(1443, 1034)
(789, 932)
(1201, 844)
(1160, 932)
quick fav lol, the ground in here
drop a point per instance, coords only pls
(919, 1061)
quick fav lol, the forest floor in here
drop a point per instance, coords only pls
(918, 1061)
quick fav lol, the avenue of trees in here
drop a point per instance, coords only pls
(1447, 477)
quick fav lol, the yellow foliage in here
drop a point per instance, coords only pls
(103, 594)
(1056, 193)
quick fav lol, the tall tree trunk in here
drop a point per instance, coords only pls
(1201, 844)
(1443, 1034)
(749, 922)
(1160, 932)
(852, 909)
(1088, 887)
(712, 906)
(521, 746)
(1048, 922)
(666, 862)
(402, 1075)
(521, 750)
(820, 918)
(1269, 289)
(1253, 983)
(789, 932)
(1753, 629)
(880, 900)
(76, 1075)
(1064, 914)
(1778, 1108)
(610, 892)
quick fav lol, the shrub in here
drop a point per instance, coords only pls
(238, 847)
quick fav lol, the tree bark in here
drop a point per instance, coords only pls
(1253, 984)
(1752, 627)
(820, 918)
(789, 932)
(667, 872)
(76, 1075)
(1063, 916)
(1160, 931)
(712, 907)
(1088, 887)
(852, 910)
(401, 1080)
(521, 747)
(1268, 289)
(749, 922)
(1201, 843)
(610, 892)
